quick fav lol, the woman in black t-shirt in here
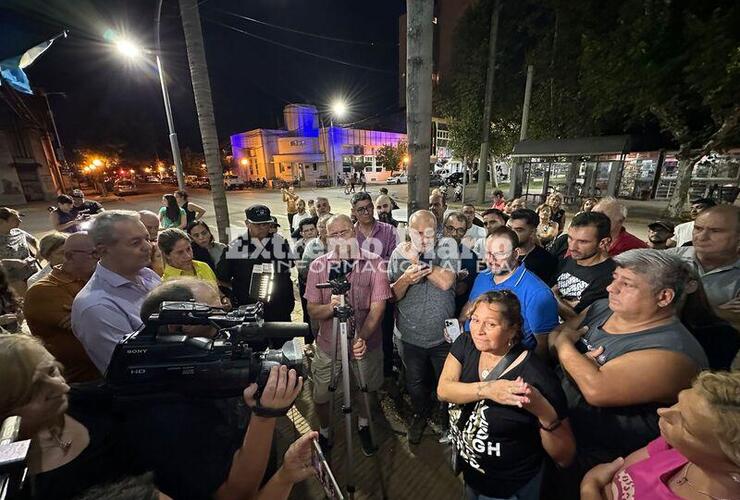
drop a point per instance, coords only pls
(503, 428)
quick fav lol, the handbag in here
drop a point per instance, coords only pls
(466, 410)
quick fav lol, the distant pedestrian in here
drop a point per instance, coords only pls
(171, 215)
(352, 182)
(363, 182)
(193, 212)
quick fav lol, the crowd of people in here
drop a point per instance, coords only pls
(568, 357)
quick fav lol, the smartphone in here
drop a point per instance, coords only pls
(452, 329)
(324, 473)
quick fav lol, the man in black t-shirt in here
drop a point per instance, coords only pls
(524, 222)
(82, 206)
(584, 276)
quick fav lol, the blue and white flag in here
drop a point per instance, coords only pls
(11, 69)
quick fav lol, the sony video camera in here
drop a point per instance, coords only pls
(153, 359)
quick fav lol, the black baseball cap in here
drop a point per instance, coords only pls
(664, 224)
(258, 214)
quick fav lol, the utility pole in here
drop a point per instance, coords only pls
(419, 37)
(487, 107)
(204, 106)
(515, 182)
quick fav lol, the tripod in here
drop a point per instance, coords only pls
(342, 334)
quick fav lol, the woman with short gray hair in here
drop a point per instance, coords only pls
(633, 357)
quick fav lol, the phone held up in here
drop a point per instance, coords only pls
(324, 473)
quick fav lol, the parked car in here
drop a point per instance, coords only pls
(191, 180)
(203, 182)
(153, 179)
(397, 178)
(234, 182)
(124, 186)
(435, 180)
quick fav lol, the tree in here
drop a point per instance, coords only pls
(391, 157)
(204, 105)
(419, 33)
(675, 62)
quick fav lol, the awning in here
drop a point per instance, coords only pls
(583, 146)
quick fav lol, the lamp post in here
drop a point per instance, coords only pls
(131, 50)
(337, 110)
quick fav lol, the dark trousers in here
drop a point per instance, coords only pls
(309, 338)
(387, 329)
(423, 368)
(290, 222)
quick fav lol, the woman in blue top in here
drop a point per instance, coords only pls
(171, 215)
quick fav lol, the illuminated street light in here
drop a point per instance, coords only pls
(244, 162)
(96, 162)
(339, 109)
(128, 48)
(132, 171)
(132, 50)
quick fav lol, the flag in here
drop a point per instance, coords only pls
(11, 69)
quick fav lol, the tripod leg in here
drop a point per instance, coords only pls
(333, 380)
(362, 381)
(347, 404)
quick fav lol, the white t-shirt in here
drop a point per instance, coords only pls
(682, 233)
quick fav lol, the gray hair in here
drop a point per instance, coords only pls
(358, 197)
(459, 216)
(609, 204)
(661, 269)
(102, 228)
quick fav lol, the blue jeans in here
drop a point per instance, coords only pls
(530, 491)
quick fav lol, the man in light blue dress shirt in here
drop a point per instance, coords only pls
(108, 307)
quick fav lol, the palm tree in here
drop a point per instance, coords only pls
(204, 105)
(419, 33)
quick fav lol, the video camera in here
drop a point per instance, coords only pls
(154, 360)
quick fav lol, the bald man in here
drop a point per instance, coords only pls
(423, 272)
(151, 223)
(48, 307)
(622, 240)
(384, 207)
(368, 295)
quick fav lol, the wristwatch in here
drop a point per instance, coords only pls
(552, 426)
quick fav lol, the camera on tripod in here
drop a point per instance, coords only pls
(153, 359)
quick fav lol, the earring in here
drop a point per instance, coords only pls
(511, 342)
(735, 476)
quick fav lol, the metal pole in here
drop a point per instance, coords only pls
(525, 107)
(171, 126)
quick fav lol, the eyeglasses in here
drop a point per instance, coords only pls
(456, 230)
(364, 210)
(340, 234)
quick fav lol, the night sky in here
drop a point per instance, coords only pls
(110, 101)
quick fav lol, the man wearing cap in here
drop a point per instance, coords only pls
(257, 247)
(659, 232)
(82, 206)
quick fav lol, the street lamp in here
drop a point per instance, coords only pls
(339, 109)
(132, 50)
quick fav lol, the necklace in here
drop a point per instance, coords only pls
(685, 480)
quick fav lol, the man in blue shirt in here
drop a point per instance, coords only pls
(539, 307)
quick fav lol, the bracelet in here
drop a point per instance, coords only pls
(552, 426)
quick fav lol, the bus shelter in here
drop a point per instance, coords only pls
(576, 168)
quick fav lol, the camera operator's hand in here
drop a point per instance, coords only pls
(297, 460)
(359, 348)
(336, 300)
(281, 389)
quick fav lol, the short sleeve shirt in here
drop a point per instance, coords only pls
(369, 284)
(538, 304)
(500, 445)
(167, 223)
(382, 240)
(423, 310)
(202, 271)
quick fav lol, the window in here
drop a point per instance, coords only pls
(378, 169)
(282, 169)
(314, 167)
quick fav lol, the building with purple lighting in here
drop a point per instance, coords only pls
(308, 151)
